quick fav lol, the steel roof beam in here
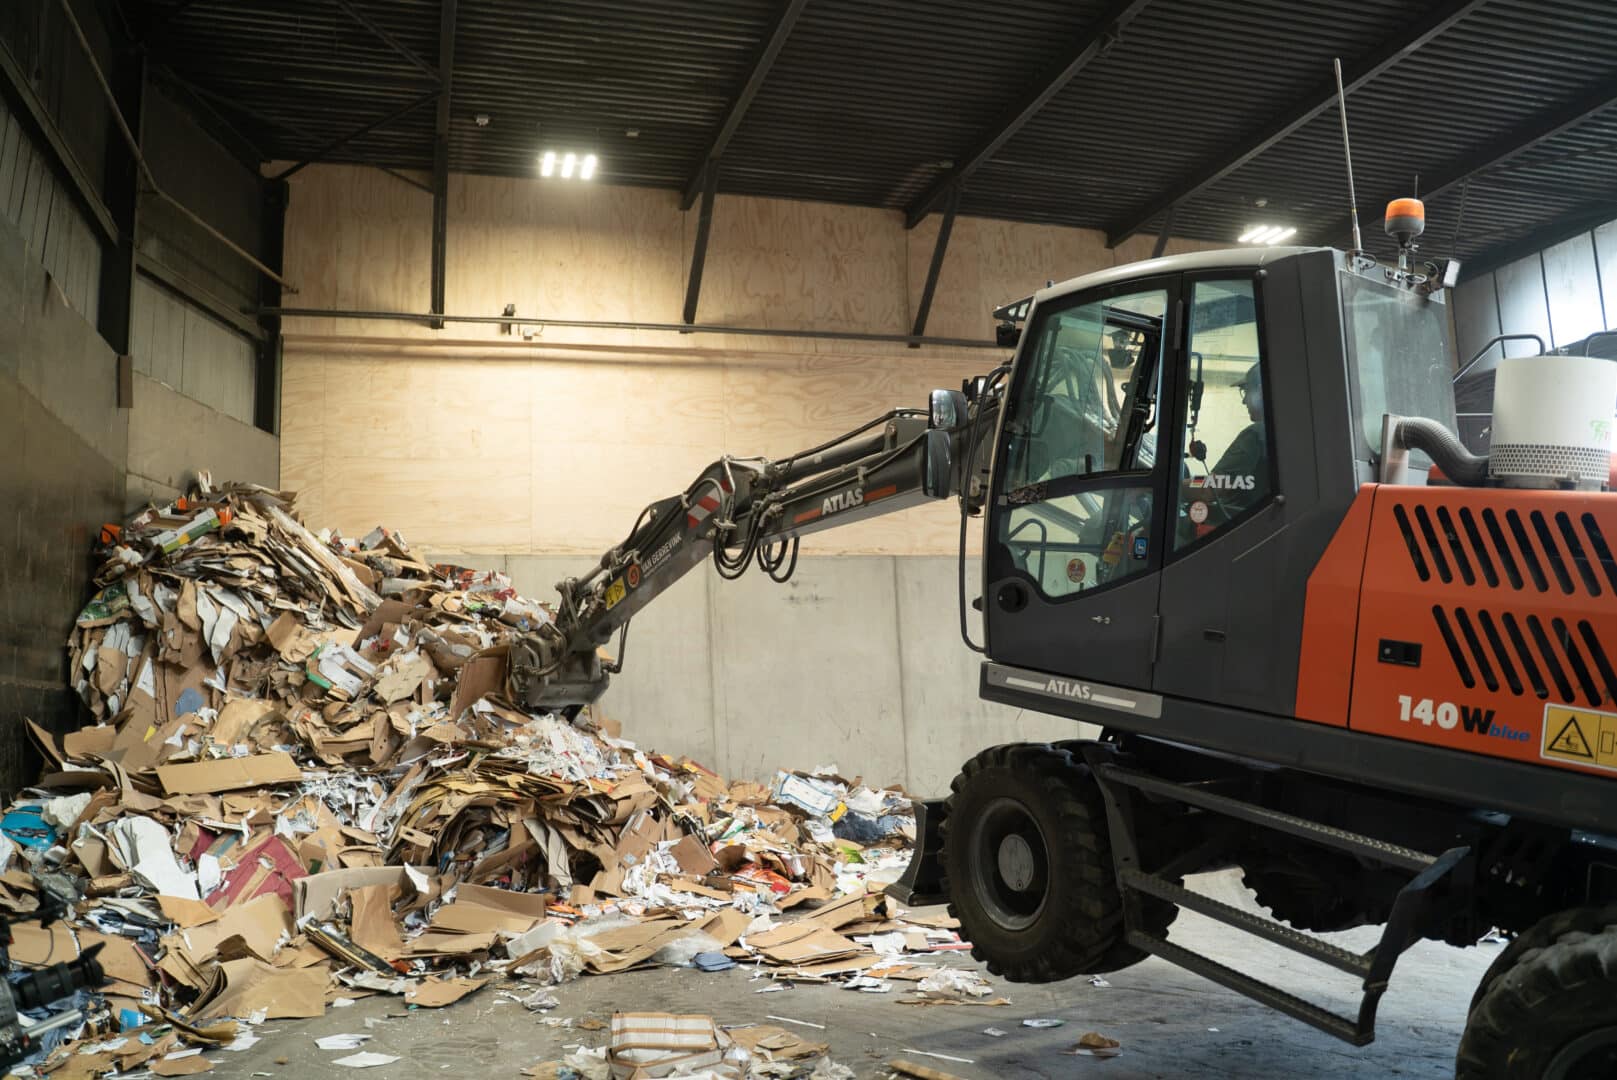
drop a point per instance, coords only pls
(934, 270)
(1318, 99)
(386, 38)
(342, 141)
(704, 226)
(1536, 129)
(743, 100)
(1095, 41)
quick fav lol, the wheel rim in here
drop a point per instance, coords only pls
(1593, 1053)
(1010, 864)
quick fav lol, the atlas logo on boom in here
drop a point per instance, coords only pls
(843, 500)
(1449, 716)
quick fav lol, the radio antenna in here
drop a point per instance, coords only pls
(1347, 154)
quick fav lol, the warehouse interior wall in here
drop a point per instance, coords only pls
(75, 458)
(534, 451)
(195, 354)
(64, 442)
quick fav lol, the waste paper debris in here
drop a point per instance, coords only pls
(305, 782)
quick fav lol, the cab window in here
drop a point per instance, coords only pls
(1081, 434)
(1075, 542)
(1226, 470)
(1089, 401)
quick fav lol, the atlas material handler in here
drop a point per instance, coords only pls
(1225, 517)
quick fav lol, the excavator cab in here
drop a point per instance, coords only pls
(1175, 452)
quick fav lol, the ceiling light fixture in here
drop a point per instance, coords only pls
(1265, 234)
(568, 165)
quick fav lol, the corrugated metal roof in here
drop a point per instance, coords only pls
(872, 102)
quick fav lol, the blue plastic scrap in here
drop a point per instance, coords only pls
(712, 961)
(190, 701)
(26, 825)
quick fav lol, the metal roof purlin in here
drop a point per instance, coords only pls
(1536, 129)
(1319, 98)
(1096, 40)
(386, 38)
(743, 100)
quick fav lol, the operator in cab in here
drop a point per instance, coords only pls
(1239, 479)
(1248, 455)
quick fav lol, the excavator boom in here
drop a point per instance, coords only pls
(742, 512)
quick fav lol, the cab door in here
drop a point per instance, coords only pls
(1078, 510)
(1218, 559)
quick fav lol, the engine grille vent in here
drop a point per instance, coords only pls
(1524, 655)
(1532, 551)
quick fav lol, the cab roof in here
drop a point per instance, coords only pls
(1242, 258)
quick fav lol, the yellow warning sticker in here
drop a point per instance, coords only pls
(1581, 736)
(614, 593)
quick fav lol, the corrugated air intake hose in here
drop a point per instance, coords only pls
(1440, 444)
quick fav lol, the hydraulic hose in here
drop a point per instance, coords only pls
(1440, 444)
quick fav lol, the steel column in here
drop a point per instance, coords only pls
(743, 100)
(945, 227)
(704, 225)
(1095, 41)
(440, 157)
(122, 185)
(267, 373)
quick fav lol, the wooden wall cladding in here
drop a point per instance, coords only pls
(466, 439)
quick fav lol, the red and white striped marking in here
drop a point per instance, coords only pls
(703, 508)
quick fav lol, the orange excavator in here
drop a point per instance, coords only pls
(1226, 517)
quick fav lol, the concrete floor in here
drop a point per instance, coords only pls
(1162, 1015)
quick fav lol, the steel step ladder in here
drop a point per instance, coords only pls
(1122, 786)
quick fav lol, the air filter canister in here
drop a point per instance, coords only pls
(1553, 421)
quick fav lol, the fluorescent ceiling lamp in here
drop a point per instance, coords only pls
(547, 164)
(587, 169)
(1283, 234)
(568, 163)
(1250, 234)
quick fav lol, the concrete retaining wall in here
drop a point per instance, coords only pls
(857, 660)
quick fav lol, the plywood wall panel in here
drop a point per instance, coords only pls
(479, 505)
(470, 440)
(636, 399)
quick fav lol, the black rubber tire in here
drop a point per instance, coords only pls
(1533, 1013)
(1543, 933)
(1077, 927)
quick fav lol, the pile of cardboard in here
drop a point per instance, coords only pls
(307, 781)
